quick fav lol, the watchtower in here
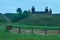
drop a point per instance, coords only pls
(33, 9)
(50, 11)
(46, 9)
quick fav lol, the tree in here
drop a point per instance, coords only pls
(19, 10)
(26, 13)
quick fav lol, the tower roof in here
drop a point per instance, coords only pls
(46, 7)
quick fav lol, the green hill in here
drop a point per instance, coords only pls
(34, 19)
(14, 17)
(4, 19)
(42, 19)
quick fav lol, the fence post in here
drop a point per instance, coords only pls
(58, 31)
(19, 30)
(8, 27)
(45, 31)
(32, 31)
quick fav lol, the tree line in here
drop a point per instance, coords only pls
(14, 17)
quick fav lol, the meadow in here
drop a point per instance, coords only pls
(14, 36)
(29, 22)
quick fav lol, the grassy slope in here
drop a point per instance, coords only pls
(36, 21)
(39, 19)
(49, 21)
(42, 19)
(12, 36)
(3, 19)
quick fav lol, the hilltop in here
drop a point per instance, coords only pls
(42, 19)
(33, 19)
(4, 19)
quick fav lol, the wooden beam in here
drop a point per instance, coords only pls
(19, 30)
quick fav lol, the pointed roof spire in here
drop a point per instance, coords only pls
(50, 11)
(46, 7)
(33, 7)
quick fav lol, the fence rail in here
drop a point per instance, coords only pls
(45, 30)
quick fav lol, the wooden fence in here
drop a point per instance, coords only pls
(46, 31)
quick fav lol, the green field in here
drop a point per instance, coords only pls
(34, 26)
(49, 22)
(33, 19)
(13, 36)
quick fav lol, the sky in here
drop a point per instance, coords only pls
(10, 6)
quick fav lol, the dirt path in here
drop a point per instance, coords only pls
(41, 32)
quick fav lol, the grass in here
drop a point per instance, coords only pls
(42, 19)
(34, 26)
(14, 36)
(25, 23)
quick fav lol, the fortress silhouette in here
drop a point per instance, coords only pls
(47, 11)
